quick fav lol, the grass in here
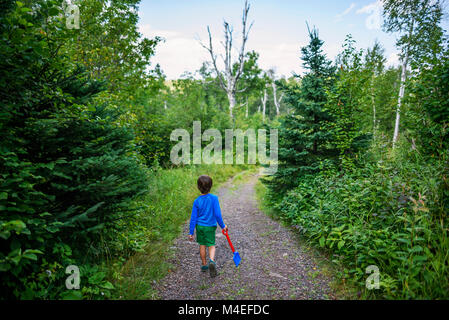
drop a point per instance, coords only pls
(167, 208)
(263, 204)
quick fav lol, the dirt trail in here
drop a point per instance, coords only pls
(274, 265)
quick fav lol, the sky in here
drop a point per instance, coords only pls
(278, 33)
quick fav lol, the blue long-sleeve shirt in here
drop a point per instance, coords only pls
(206, 212)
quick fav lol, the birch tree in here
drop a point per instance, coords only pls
(265, 82)
(417, 22)
(229, 77)
(277, 101)
(375, 65)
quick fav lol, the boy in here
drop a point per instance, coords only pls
(205, 215)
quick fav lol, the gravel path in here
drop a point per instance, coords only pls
(274, 265)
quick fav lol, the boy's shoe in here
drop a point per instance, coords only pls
(204, 268)
(212, 268)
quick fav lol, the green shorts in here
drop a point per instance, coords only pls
(205, 236)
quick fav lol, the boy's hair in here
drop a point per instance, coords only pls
(204, 184)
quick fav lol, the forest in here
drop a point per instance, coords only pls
(86, 178)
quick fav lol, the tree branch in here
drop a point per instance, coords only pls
(210, 49)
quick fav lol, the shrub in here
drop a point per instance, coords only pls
(386, 214)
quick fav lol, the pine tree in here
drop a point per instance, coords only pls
(304, 144)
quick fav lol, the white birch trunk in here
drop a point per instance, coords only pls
(276, 102)
(232, 102)
(402, 89)
(264, 103)
(400, 98)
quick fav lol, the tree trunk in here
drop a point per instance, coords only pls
(276, 102)
(400, 98)
(232, 102)
(402, 89)
(229, 77)
(264, 103)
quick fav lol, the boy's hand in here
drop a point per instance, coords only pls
(190, 237)
(225, 229)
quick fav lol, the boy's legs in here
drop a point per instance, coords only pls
(212, 253)
(203, 254)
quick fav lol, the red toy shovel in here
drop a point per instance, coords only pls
(236, 258)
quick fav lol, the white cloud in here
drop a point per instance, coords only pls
(178, 52)
(393, 60)
(284, 57)
(374, 10)
(339, 17)
(148, 32)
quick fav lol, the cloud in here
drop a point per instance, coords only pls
(148, 32)
(393, 60)
(285, 57)
(374, 10)
(339, 17)
(178, 52)
(282, 56)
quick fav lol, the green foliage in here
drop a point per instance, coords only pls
(67, 170)
(109, 45)
(385, 214)
(385, 90)
(344, 104)
(417, 21)
(429, 115)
